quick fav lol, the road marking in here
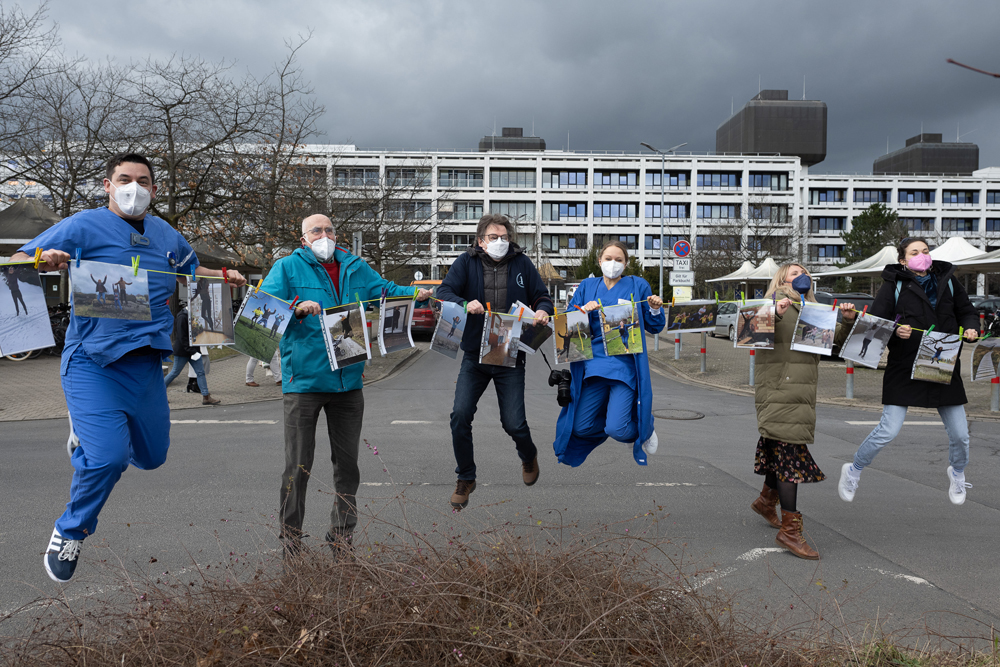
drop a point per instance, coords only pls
(755, 554)
(907, 577)
(223, 421)
(405, 421)
(707, 580)
(904, 423)
(665, 484)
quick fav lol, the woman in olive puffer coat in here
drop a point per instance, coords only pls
(786, 410)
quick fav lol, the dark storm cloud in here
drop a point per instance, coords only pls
(611, 74)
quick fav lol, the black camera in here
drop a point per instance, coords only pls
(561, 380)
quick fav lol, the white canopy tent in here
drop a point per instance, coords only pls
(985, 263)
(954, 250)
(765, 271)
(739, 275)
(866, 268)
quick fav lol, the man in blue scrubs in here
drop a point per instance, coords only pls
(111, 372)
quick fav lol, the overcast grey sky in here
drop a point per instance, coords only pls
(435, 75)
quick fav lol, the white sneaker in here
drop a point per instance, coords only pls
(73, 442)
(651, 445)
(957, 486)
(848, 483)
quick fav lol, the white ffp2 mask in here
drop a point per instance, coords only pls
(612, 269)
(323, 248)
(132, 198)
(497, 249)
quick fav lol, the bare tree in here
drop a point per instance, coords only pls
(272, 183)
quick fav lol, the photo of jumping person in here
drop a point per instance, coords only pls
(251, 335)
(449, 330)
(92, 282)
(210, 304)
(26, 326)
(10, 277)
(868, 340)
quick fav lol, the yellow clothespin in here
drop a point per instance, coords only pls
(38, 257)
(259, 283)
(135, 265)
(961, 330)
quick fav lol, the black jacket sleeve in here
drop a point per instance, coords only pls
(965, 312)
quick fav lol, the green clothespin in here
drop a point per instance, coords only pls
(961, 330)
(930, 329)
(135, 265)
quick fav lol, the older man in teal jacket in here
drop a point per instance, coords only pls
(321, 273)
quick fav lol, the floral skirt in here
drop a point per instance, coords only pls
(789, 462)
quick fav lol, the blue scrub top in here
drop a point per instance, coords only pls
(102, 236)
(618, 367)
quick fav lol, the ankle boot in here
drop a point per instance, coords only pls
(766, 505)
(790, 536)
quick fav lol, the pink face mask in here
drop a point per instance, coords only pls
(920, 262)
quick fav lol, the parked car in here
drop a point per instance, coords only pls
(988, 306)
(426, 313)
(859, 299)
(725, 320)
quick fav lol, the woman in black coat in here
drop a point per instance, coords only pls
(922, 292)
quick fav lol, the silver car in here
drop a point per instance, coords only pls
(725, 321)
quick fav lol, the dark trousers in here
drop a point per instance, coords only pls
(473, 378)
(344, 413)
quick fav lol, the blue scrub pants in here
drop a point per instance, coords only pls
(121, 416)
(604, 409)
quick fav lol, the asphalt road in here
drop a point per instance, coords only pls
(900, 553)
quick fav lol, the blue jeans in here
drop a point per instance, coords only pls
(888, 428)
(179, 364)
(472, 381)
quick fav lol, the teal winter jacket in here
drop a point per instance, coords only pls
(305, 367)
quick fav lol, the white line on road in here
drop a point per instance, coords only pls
(223, 421)
(707, 580)
(904, 423)
(665, 484)
(405, 421)
(907, 577)
(754, 554)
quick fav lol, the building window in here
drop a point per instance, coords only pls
(653, 243)
(615, 180)
(872, 196)
(567, 211)
(718, 211)
(721, 180)
(993, 197)
(772, 245)
(765, 181)
(673, 210)
(355, 177)
(460, 210)
(408, 178)
(567, 180)
(826, 224)
(630, 240)
(960, 196)
(526, 241)
(460, 178)
(824, 196)
(409, 210)
(512, 178)
(776, 213)
(615, 210)
(959, 224)
(557, 242)
(829, 251)
(993, 224)
(914, 225)
(514, 210)
(717, 242)
(455, 242)
(677, 180)
(916, 196)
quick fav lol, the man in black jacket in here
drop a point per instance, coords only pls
(494, 271)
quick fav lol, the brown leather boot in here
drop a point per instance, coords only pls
(790, 536)
(529, 471)
(463, 488)
(766, 505)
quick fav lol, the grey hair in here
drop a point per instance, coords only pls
(494, 219)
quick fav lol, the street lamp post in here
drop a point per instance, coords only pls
(663, 166)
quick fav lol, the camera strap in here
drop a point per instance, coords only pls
(546, 360)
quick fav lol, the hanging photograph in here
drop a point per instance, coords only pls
(621, 332)
(755, 325)
(815, 328)
(572, 337)
(449, 329)
(346, 335)
(867, 340)
(532, 335)
(109, 290)
(692, 316)
(259, 325)
(500, 338)
(24, 317)
(985, 359)
(210, 310)
(936, 357)
(395, 318)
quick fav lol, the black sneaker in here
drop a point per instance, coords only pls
(61, 557)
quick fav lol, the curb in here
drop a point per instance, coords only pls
(400, 366)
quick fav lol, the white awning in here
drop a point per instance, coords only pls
(866, 268)
(985, 263)
(954, 250)
(765, 271)
(738, 275)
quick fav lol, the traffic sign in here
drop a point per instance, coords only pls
(418, 275)
(682, 278)
(682, 264)
(682, 248)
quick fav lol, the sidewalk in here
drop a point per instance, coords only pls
(32, 389)
(729, 369)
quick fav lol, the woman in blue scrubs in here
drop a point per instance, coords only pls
(611, 396)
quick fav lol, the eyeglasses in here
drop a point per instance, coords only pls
(493, 237)
(316, 231)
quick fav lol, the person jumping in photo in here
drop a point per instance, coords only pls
(867, 340)
(454, 326)
(101, 289)
(277, 322)
(937, 355)
(256, 315)
(118, 299)
(266, 315)
(202, 289)
(10, 277)
(122, 294)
